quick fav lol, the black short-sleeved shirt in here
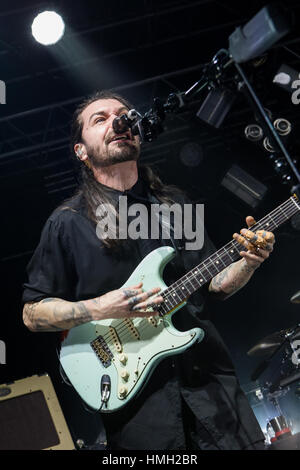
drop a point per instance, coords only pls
(195, 393)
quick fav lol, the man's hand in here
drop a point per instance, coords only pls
(259, 244)
(52, 314)
(127, 302)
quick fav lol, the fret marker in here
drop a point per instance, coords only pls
(201, 280)
(231, 251)
(195, 272)
(217, 262)
(182, 288)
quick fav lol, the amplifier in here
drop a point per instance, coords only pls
(31, 417)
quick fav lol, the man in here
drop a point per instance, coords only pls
(193, 400)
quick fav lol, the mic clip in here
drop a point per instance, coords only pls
(124, 122)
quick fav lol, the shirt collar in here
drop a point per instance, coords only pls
(138, 191)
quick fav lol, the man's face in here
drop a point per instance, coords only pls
(102, 145)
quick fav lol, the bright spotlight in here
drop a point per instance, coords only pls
(48, 28)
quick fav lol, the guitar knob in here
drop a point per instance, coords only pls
(123, 358)
(123, 392)
(125, 375)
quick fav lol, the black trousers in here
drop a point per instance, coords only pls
(195, 434)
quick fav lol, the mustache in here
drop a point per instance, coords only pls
(128, 134)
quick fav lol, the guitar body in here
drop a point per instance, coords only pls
(125, 350)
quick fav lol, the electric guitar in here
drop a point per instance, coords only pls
(108, 362)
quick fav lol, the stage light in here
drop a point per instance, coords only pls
(283, 126)
(48, 28)
(244, 186)
(216, 106)
(269, 25)
(285, 77)
(254, 132)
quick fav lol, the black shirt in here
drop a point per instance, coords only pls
(194, 394)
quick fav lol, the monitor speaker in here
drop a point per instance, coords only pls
(31, 417)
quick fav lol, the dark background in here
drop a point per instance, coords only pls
(143, 49)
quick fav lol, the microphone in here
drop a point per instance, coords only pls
(149, 125)
(124, 122)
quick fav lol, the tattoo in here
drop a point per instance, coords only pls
(247, 269)
(37, 323)
(129, 293)
(132, 302)
(231, 279)
(268, 248)
(217, 281)
(61, 316)
(29, 310)
(77, 315)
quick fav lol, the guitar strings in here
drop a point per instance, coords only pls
(234, 244)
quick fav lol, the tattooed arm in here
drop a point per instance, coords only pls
(259, 246)
(231, 279)
(52, 314)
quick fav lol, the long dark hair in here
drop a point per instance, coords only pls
(95, 193)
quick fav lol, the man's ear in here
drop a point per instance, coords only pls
(80, 152)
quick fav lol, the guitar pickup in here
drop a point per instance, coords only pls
(134, 332)
(153, 321)
(116, 339)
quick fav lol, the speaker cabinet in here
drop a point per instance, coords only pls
(31, 417)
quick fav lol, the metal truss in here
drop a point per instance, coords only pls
(39, 137)
(46, 127)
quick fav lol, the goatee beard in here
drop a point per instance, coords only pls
(128, 153)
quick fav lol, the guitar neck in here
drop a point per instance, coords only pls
(180, 290)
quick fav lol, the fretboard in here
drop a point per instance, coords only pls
(180, 290)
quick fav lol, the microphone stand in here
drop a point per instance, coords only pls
(150, 125)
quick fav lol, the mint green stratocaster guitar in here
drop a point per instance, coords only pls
(108, 362)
